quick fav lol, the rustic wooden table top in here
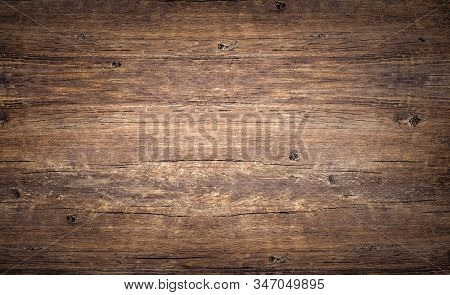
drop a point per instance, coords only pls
(191, 137)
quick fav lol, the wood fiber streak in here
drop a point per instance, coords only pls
(304, 138)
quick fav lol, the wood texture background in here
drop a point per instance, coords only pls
(368, 191)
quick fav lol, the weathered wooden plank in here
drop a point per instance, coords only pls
(224, 137)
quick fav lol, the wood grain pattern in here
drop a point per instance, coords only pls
(359, 182)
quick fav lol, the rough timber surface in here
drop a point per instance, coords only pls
(363, 188)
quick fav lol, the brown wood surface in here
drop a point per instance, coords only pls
(355, 95)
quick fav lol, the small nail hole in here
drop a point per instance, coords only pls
(116, 64)
(369, 248)
(319, 35)
(280, 6)
(331, 179)
(16, 193)
(33, 248)
(4, 118)
(294, 156)
(226, 47)
(277, 259)
(415, 120)
(408, 119)
(70, 219)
